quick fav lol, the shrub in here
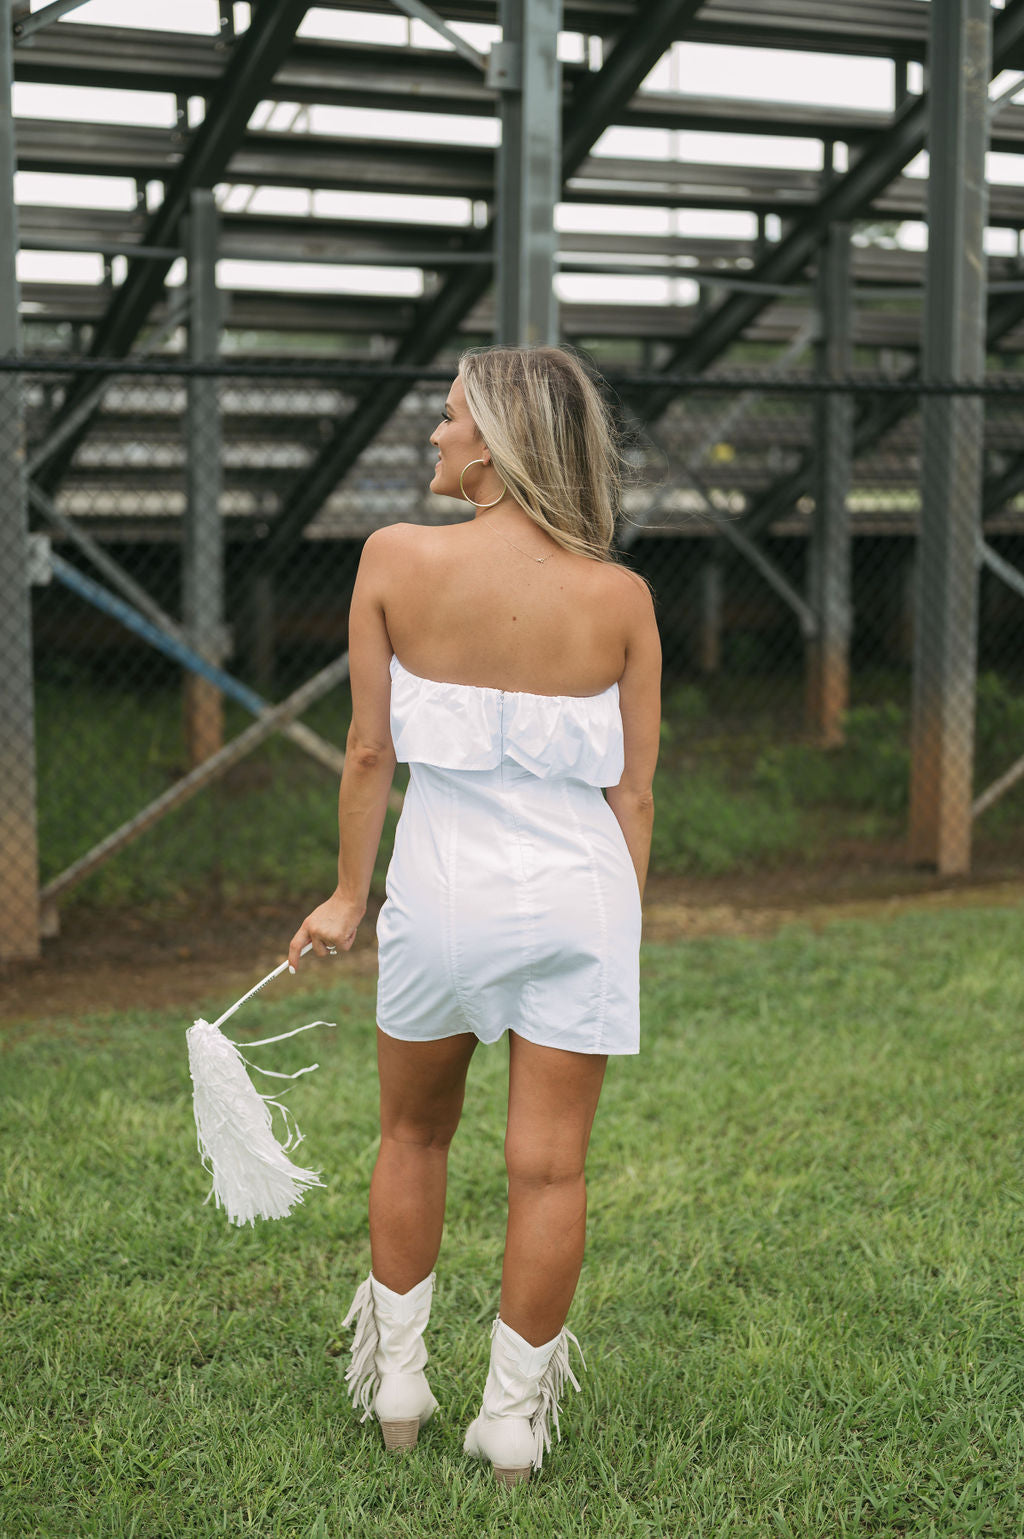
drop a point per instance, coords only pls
(999, 726)
(870, 771)
(701, 826)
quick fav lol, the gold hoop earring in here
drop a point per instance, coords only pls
(465, 494)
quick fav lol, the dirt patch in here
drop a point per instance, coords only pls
(197, 962)
(666, 918)
(200, 962)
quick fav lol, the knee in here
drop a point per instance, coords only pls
(417, 1134)
(539, 1165)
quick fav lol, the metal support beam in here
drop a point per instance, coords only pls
(421, 12)
(19, 897)
(1006, 782)
(595, 101)
(24, 28)
(766, 567)
(1000, 567)
(729, 528)
(1003, 488)
(259, 629)
(249, 71)
(709, 614)
(1005, 97)
(529, 163)
(945, 631)
(844, 200)
(203, 543)
(599, 98)
(828, 550)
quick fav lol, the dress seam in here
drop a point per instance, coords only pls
(452, 946)
(601, 1024)
(528, 992)
(528, 918)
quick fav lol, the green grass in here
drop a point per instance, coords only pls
(801, 1307)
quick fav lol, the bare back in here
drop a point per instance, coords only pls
(460, 604)
(464, 605)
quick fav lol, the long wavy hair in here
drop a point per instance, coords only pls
(551, 440)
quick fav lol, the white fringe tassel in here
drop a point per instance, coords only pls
(252, 1174)
(552, 1385)
(361, 1375)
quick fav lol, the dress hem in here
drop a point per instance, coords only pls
(589, 1052)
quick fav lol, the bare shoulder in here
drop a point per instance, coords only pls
(631, 600)
(389, 539)
(628, 590)
(394, 551)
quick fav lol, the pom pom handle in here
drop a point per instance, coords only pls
(261, 985)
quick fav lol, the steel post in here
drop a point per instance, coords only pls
(709, 613)
(526, 70)
(19, 899)
(946, 625)
(945, 632)
(828, 550)
(203, 544)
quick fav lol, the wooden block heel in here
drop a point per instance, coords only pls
(400, 1436)
(512, 1477)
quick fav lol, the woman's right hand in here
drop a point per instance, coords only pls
(330, 928)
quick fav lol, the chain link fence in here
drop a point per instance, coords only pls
(839, 579)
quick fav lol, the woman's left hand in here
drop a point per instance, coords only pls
(331, 928)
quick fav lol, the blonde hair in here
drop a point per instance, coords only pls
(551, 440)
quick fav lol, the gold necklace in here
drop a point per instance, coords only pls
(519, 548)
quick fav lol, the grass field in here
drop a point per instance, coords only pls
(801, 1308)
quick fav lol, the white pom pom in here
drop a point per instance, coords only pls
(252, 1175)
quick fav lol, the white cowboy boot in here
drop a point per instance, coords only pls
(521, 1393)
(386, 1375)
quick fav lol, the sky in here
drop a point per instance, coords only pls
(687, 68)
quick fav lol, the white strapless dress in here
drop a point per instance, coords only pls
(512, 902)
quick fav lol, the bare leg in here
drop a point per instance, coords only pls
(552, 1098)
(422, 1085)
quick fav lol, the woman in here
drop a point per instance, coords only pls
(516, 667)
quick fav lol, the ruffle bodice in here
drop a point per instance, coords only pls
(474, 727)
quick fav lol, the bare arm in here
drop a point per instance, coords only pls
(632, 800)
(369, 760)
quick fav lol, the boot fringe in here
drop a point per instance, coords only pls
(361, 1375)
(556, 1375)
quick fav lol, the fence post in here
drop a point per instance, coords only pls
(529, 169)
(828, 550)
(945, 630)
(203, 545)
(709, 613)
(19, 898)
(260, 620)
